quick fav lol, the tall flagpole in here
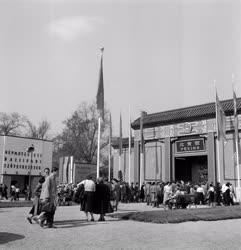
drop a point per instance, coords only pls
(110, 136)
(129, 146)
(218, 145)
(98, 151)
(100, 107)
(236, 131)
(120, 143)
(142, 151)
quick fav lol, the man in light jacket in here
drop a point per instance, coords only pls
(48, 197)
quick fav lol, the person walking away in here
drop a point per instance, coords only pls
(13, 193)
(48, 198)
(89, 187)
(116, 193)
(5, 191)
(211, 193)
(227, 196)
(142, 193)
(1, 191)
(159, 194)
(17, 190)
(136, 192)
(132, 198)
(102, 199)
(200, 194)
(167, 192)
(148, 193)
(218, 193)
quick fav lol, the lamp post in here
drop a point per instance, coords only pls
(30, 150)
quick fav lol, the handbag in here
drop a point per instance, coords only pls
(48, 207)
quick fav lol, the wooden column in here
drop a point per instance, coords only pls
(167, 167)
(136, 161)
(211, 158)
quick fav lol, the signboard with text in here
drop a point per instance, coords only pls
(193, 145)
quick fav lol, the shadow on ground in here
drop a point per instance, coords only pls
(73, 223)
(80, 223)
(7, 237)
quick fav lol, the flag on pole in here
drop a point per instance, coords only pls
(120, 137)
(100, 93)
(100, 108)
(130, 135)
(142, 151)
(235, 114)
(220, 120)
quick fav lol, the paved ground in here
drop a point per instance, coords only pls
(74, 232)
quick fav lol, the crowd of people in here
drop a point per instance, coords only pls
(14, 192)
(65, 193)
(102, 197)
(180, 194)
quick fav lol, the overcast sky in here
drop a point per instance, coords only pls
(159, 55)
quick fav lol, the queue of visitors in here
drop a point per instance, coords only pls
(180, 194)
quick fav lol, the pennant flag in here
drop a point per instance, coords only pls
(100, 93)
(120, 137)
(220, 120)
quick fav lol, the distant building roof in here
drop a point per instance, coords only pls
(193, 113)
(125, 142)
(30, 138)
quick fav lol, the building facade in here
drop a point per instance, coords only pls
(182, 144)
(17, 166)
(125, 161)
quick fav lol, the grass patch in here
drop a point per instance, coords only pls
(183, 215)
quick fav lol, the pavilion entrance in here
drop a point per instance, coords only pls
(191, 168)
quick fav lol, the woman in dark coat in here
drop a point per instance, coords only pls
(102, 199)
(36, 208)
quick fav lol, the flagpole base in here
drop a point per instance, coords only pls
(238, 194)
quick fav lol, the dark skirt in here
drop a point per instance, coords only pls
(211, 196)
(102, 199)
(89, 201)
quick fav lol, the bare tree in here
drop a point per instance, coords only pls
(11, 124)
(79, 136)
(40, 131)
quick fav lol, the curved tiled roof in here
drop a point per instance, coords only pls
(193, 113)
